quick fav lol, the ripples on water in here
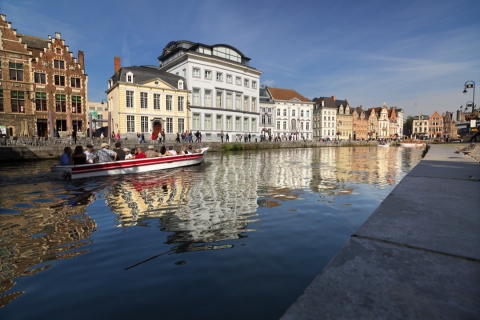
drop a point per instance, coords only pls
(239, 236)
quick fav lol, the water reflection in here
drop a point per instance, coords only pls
(43, 226)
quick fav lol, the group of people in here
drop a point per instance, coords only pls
(80, 156)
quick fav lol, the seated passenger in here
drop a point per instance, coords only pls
(128, 155)
(105, 154)
(172, 152)
(139, 154)
(65, 157)
(184, 150)
(164, 152)
(150, 152)
(78, 157)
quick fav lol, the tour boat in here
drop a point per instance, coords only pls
(412, 144)
(128, 166)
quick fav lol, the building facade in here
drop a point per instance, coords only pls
(324, 118)
(147, 100)
(360, 124)
(435, 128)
(224, 87)
(420, 125)
(59, 86)
(292, 114)
(344, 120)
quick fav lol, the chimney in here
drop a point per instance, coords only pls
(116, 64)
(81, 59)
(334, 98)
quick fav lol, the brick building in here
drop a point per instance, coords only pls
(17, 116)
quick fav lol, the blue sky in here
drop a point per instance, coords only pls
(416, 55)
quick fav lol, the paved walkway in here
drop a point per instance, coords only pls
(416, 257)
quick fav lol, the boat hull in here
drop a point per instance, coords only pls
(128, 166)
(412, 145)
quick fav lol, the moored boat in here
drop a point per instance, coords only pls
(128, 166)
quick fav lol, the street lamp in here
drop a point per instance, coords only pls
(469, 85)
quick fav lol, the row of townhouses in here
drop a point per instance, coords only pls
(194, 87)
(435, 125)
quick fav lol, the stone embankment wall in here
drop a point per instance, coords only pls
(25, 152)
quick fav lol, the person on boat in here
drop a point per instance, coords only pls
(105, 154)
(128, 155)
(150, 152)
(89, 154)
(139, 154)
(119, 151)
(65, 157)
(78, 157)
(133, 153)
(172, 151)
(184, 150)
(164, 152)
(191, 150)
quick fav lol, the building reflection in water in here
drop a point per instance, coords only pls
(41, 228)
(220, 202)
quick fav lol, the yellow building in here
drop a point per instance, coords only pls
(146, 100)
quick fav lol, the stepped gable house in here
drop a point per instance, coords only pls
(16, 107)
(224, 87)
(59, 85)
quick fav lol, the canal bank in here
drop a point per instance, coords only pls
(416, 257)
(54, 151)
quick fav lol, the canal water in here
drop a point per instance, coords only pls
(238, 237)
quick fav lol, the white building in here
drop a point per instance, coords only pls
(325, 121)
(224, 88)
(292, 113)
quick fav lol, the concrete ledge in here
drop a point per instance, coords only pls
(417, 256)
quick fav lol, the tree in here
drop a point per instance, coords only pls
(408, 126)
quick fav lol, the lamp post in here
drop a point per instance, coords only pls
(109, 121)
(469, 85)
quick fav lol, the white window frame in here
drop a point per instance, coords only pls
(208, 122)
(180, 125)
(229, 78)
(229, 100)
(196, 96)
(208, 74)
(130, 123)
(129, 77)
(246, 83)
(169, 125)
(180, 103)
(143, 100)
(208, 98)
(144, 123)
(130, 99)
(168, 102)
(196, 72)
(238, 81)
(219, 76)
(219, 99)
(157, 101)
(254, 84)
(196, 120)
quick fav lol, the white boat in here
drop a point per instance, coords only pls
(413, 144)
(128, 166)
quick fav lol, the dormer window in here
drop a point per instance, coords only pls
(180, 84)
(129, 77)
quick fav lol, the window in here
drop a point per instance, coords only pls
(184, 74)
(293, 112)
(218, 125)
(180, 125)
(245, 124)
(245, 103)
(39, 77)
(264, 117)
(246, 83)
(219, 76)
(208, 74)
(1, 101)
(238, 104)
(130, 123)
(254, 84)
(77, 125)
(180, 101)
(208, 98)
(196, 97)
(229, 78)
(238, 81)
(129, 77)
(307, 126)
(60, 103)
(58, 50)
(196, 121)
(18, 101)
(284, 112)
(129, 98)
(169, 102)
(254, 125)
(278, 112)
(61, 125)
(229, 100)
(16, 71)
(143, 101)
(144, 124)
(301, 113)
(237, 124)
(196, 72)
(254, 105)
(278, 125)
(59, 80)
(75, 82)
(208, 122)
(219, 102)
(284, 125)
(180, 84)
(308, 113)
(58, 64)
(76, 104)
(229, 122)
(156, 101)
